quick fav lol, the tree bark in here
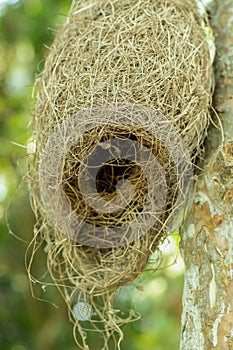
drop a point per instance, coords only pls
(207, 234)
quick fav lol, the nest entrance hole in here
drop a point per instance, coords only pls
(113, 175)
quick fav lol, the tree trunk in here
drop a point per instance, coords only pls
(207, 234)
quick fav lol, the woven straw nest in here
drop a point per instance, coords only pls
(135, 75)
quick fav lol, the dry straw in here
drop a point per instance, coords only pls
(137, 71)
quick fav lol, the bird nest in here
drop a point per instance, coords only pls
(121, 113)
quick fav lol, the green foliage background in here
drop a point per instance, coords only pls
(26, 28)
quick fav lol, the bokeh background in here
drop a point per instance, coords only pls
(27, 28)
